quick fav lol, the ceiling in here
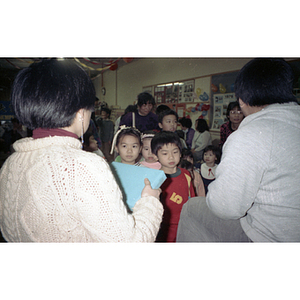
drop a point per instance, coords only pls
(10, 66)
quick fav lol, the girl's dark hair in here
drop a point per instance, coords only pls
(129, 131)
(163, 138)
(49, 93)
(202, 125)
(264, 81)
(187, 153)
(215, 150)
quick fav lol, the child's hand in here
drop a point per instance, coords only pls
(148, 191)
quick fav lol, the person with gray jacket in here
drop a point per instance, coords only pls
(256, 193)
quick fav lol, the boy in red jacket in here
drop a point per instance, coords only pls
(177, 188)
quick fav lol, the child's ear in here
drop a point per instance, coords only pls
(116, 149)
(160, 125)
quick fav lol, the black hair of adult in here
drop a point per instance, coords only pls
(48, 94)
(231, 106)
(264, 81)
(163, 138)
(144, 98)
(166, 112)
(107, 110)
(185, 122)
(215, 150)
(129, 131)
(202, 125)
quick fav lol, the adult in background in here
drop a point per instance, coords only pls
(55, 191)
(186, 126)
(255, 195)
(143, 119)
(235, 116)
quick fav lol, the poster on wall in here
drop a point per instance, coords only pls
(220, 104)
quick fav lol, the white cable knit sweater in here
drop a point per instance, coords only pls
(52, 191)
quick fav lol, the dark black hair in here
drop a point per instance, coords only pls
(107, 110)
(215, 150)
(231, 106)
(163, 138)
(186, 122)
(265, 81)
(144, 98)
(48, 94)
(187, 153)
(202, 125)
(185, 164)
(129, 131)
(166, 112)
(160, 108)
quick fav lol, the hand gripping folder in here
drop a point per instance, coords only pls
(131, 180)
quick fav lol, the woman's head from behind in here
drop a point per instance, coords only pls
(202, 125)
(48, 94)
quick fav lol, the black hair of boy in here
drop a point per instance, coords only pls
(185, 122)
(215, 150)
(129, 131)
(107, 110)
(38, 106)
(260, 89)
(163, 138)
(166, 112)
(161, 108)
(202, 125)
(144, 98)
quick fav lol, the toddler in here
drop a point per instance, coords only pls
(148, 158)
(211, 158)
(90, 144)
(127, 143)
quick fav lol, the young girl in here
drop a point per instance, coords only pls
(211, 157)
(127, 143)
(149, 160)
(187, 156)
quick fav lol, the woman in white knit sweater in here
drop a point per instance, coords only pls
(52, 190)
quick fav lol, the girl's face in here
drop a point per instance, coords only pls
(146, 151)
(129, 149)
(236, 116)
(169, 157)
(93, 144)
(169, 123)
(209, 158)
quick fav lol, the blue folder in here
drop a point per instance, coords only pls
(131, 180)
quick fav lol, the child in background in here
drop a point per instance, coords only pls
(211, 158)
(186, 126)
(187, 155)
(127, 143)
(90, 144)
(167, 121)
(149, 159)
(106, 132)
(177, 188)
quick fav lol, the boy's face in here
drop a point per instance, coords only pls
(169, 123)
(129, 149)
(146, 151)
(169, 157)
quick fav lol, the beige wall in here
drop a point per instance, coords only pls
(124, 84)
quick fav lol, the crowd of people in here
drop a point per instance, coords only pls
(61, 178)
